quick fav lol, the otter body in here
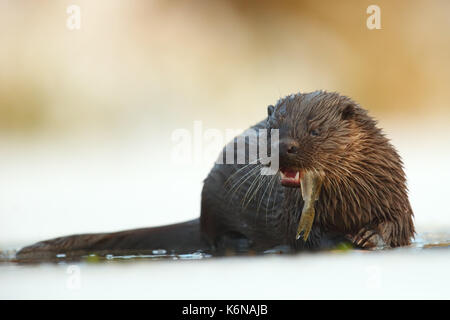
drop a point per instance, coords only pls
(363, 197)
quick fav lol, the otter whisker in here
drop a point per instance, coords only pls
(251, 164)
(243, 179)
(262, 197)
(269, 186)
(231, 177)
(256, 184)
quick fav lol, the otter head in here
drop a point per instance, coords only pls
(329, 144)
(316, 131)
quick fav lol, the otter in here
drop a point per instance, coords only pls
(363, 195)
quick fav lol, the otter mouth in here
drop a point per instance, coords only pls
(291, 178)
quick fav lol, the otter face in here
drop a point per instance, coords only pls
(315, 130)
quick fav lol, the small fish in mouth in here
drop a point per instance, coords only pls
(310, 184)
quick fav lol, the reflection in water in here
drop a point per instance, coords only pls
(431, 240)
(422, 241)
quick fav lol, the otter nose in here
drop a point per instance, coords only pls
(288, 147)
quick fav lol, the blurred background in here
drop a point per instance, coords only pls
(87, 116)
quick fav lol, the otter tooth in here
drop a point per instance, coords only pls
(297, 176)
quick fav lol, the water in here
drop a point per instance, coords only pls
(421, 242)
(418, 271)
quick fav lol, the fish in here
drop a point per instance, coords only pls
(310, 185)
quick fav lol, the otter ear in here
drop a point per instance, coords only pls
(270, 110)
(348, 112)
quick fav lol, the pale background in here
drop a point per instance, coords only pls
(86, 116)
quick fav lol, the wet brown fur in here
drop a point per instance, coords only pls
(364, 182)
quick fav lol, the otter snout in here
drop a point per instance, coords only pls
(289, 147)
(288, 151)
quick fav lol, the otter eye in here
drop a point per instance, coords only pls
(314, 132)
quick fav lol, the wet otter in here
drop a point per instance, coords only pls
(363, 194)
